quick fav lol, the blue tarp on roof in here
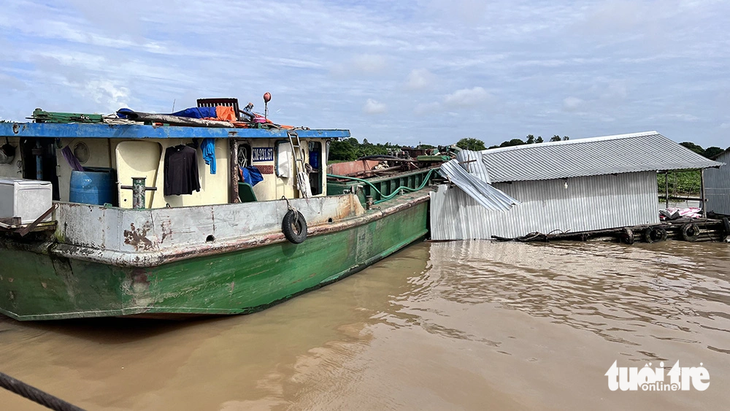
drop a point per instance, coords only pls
(192, 112)
(196, 112)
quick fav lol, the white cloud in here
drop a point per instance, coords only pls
(419, 79)
(572, 103)
(467, 97)
(675, 116)
(373, 107)
(426, 108)
(364, 64)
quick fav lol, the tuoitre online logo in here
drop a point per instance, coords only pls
(653, 379)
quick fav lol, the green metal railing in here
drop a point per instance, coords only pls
(385, 188)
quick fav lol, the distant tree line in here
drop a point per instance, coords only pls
(350, 149)
(476, 144)
(710, 152)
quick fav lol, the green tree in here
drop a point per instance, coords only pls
(713, 151)
(566, 138)
(342, 151)
(350, 149)
(513, 142)
(694, 147)
(471, 144)
(555, 138)
(539, 139)
(530, 139)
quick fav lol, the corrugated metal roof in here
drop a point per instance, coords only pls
(472, 162)
(626, 153)
(480, 191)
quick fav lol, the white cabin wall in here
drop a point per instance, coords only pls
(274, 187)
(99, 156)
(213, 187)
(12, 170)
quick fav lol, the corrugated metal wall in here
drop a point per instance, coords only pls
(588, 203)
(717, 186)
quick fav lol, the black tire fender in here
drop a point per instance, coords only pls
(654, 234)
(690, 232)
(647, 235)
(294, 227)
(627, 236)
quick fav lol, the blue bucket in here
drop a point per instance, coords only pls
(93, 186)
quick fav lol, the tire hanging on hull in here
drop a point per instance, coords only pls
(294, 227)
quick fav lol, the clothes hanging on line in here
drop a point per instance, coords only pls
(208, 149)
(181, 170)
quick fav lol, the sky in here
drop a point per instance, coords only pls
(404, 72)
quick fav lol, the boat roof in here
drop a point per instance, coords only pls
(139, 131)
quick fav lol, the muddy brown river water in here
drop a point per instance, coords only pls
(438, 326)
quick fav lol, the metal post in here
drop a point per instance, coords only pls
(233, 190)
(138, 194)
(38, 152)
(666, 187)
(138, 188)
(267, 98)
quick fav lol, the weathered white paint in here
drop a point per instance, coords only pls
(573, 204)
(138, 231)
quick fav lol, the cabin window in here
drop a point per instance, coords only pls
(39, 161)
(284, 159)
(315, 160)
(244, 155)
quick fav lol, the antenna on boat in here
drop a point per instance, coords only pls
(173, 105)
(267, 98)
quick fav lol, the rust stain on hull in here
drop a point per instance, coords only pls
(137, 237)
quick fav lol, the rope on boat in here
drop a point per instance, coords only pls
(36, 395)
(395, 192)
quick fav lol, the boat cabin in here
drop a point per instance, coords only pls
(97, 162)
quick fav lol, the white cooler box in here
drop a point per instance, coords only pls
(27, 199)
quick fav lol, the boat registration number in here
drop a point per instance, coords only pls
(263, 154)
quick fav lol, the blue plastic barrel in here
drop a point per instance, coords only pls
(92, 186)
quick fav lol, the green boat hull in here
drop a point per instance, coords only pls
(37, 286)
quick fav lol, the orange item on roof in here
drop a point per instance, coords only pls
(225, 113)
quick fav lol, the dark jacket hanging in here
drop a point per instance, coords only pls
(181, 170)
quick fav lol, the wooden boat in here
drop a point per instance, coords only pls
(229, 248)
